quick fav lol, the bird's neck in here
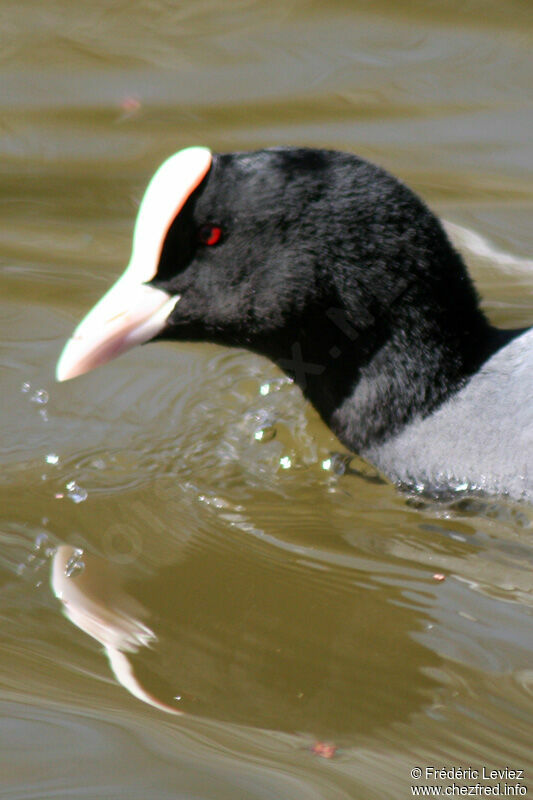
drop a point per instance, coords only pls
(369, 384)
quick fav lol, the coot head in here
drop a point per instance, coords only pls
(317, 259)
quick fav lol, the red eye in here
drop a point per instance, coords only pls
(209, 234)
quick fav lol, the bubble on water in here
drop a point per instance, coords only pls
(263, 422)
(265, 434)
(40, 397)
(98, 463)
(25, 388)
(75, 565)
(43, 414)
(52, 458)
(285, 462)
(338, 463)
(76, 493)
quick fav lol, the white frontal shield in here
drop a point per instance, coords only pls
(132, 312)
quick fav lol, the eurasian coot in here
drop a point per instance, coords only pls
(342, 276)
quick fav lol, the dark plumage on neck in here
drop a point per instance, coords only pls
(371, 355)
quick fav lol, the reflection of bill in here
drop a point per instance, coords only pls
(93, 599)
(268, 642)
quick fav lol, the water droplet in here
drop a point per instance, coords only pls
(25, 387)
(52, 458)
(274, 385)
(265, 434)
(285, 462)
(76, 493)
(75, 564)
(338, 463)
(40, 397)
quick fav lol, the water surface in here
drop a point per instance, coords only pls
(292, 595)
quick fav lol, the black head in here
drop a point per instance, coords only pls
(335, 270)
(267, 267)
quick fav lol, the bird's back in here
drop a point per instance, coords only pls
(480, 440)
